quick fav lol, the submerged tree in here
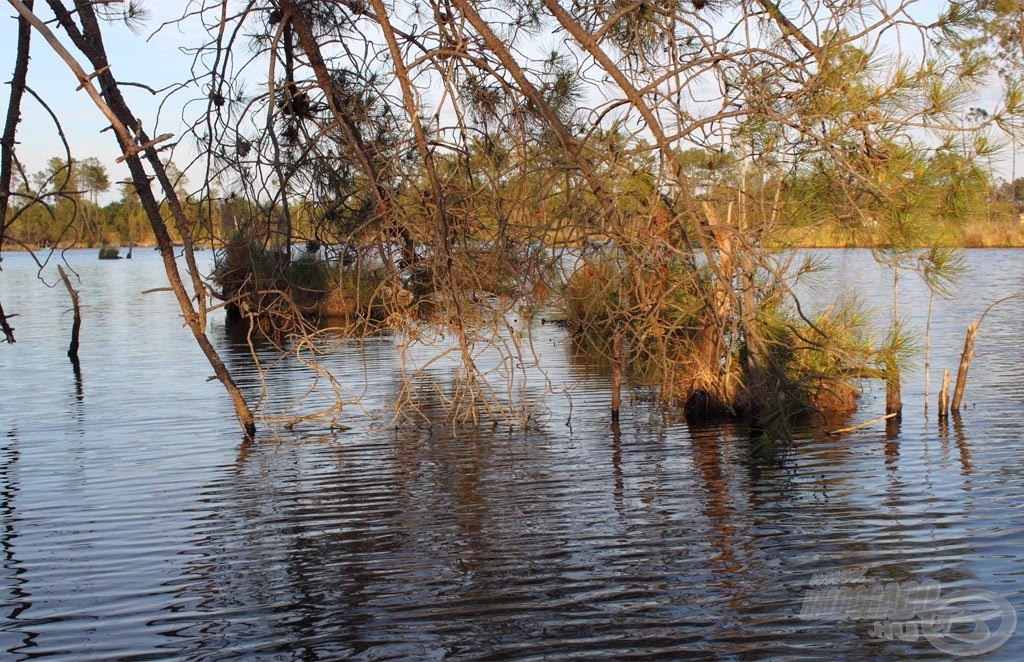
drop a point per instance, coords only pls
(425, 156)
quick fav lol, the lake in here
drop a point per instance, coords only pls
(137, 523)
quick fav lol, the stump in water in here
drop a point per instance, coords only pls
(944, 394)
(965, 363)
(616, 375)
(893, 401)
(6, 327)
(76, 325)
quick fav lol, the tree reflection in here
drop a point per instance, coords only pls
(20, 600)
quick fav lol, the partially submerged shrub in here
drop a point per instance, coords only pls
(590, 301)
(262, 282)
(249, 276)
(360, 294)
(770, 364)
(812, 365)
(311, 279)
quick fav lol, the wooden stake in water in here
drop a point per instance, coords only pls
(616, 375)
(944, 394)
(965, 363)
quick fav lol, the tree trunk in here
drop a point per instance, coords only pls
(7, 141)
(711, 387)
(893, 399)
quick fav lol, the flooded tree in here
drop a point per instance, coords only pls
(428, 167)
(82, 24)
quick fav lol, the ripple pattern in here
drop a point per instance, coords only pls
(136, 524)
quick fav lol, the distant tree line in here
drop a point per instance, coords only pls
(62, 206)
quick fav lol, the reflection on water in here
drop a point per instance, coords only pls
(137, 524)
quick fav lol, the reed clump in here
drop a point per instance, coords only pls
(997, 234)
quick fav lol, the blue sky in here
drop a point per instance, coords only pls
(156, 62)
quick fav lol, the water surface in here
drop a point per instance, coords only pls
(137, 523)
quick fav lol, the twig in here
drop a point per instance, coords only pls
(135, 149)
(864, 424)
(88, 80)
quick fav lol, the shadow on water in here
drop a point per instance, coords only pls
(438, 541)
(325, 534)
(79, 386)
(78, 404)
(892, 442)
(961, 443)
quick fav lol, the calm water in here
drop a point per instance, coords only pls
(136, 524)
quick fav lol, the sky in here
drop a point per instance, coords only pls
(155, 56)
(157, 61)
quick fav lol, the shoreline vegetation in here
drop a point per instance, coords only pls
(978, 238)
(1003, 231)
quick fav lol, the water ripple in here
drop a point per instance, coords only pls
(137, 524)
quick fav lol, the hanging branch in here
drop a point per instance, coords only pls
(84, 79)
(308, 43)
(569, 144)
